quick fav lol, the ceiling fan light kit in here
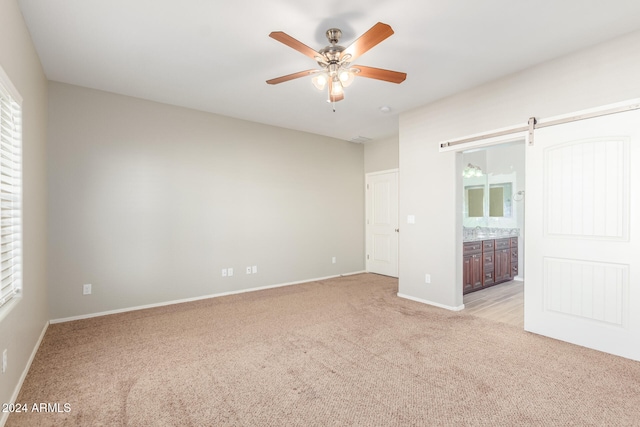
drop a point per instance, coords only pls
(336, 72)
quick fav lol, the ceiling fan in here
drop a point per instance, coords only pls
(336, 71)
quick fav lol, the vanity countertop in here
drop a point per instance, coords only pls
(483, 233)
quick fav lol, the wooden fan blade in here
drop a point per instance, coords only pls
(372, 37)
(295, 44)
(291, 77)
(380, 74)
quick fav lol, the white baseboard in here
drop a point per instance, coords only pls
(222, 294)
(14, 396)
(435, 304)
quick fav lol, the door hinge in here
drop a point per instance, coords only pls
(367, 256)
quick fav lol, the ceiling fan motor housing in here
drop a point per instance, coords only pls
(332, 52)
(333, 35)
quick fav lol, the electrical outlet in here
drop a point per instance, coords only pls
(224, 272)
(229, 272)
(86, 289)
(333, 260)
(4, 360)
(248, 270)
(254, 269)
(427, 278)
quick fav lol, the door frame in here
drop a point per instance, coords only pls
(481, 144)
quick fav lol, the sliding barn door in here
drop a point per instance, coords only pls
(582, 219)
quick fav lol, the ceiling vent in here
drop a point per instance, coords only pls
(360, 139)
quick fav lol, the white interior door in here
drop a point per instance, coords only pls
(583, 242)
(382, 223)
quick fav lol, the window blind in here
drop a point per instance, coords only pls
(10, 193)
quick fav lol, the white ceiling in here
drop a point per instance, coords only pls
(215, 55)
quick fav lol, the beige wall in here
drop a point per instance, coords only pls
(22, 326)
(149, 202)
(430, 181)
(381, 155)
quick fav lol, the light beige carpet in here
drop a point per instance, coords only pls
(340, 352)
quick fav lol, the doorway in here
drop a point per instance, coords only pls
(493, 183)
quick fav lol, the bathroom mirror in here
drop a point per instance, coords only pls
(475, 201)
(500, 199)
(488, 201)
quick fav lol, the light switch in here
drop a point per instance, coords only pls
(411, 219)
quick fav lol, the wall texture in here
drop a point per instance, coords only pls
(381, 155)
(149, 202)
(21, 327)
(430, 180)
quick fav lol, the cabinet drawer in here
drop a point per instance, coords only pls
(471, 247)
(514, 270)
(503, 244)
(514, 255)
(488, 245)
(514, 242)
(488, 278)
(487, 258)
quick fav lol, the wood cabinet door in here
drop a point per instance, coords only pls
(502, 265)
(471, 273)
(467, 285)
(476, 271)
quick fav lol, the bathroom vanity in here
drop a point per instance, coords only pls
(488, 261)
